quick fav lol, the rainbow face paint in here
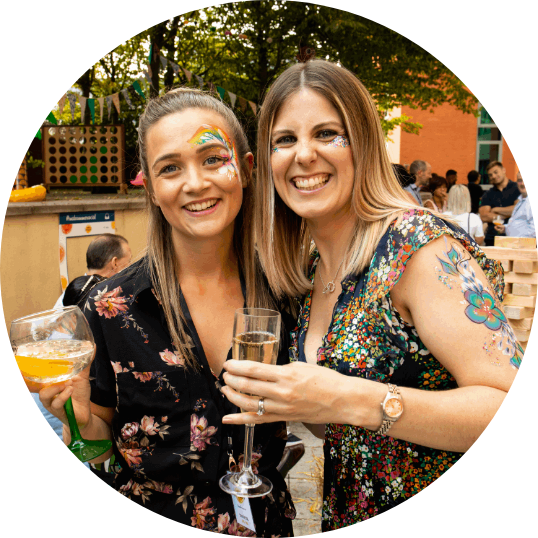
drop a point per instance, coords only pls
(339, 142)
(210, 133)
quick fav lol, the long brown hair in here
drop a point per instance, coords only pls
(161, 257)
(377, 197)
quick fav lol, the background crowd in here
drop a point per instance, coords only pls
(500, 207)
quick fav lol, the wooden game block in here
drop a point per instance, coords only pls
(502, 253)
(515, 242)
(521, 289)
(522, 336)
(507, 289)
(524, 266)
(518, 312)
(519, 300)
(522, 324)
(521, 278)
(507, 265)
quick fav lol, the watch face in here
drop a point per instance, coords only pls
(393, 407)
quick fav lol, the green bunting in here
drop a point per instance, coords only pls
(50, 118)
(221, 91)
(138, 89)
(91, 106)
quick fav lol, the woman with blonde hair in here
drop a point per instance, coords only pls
(163, 329)
(402, 354)
(459, 207)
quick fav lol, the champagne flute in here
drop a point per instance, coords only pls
(256, 338)
(51, 347)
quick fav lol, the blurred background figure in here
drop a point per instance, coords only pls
(475, 190)
(405, 179)
(439, 189)
(521, 222)
(107, 255)
(451, 178)
(421, 171)
(459, 207)
(498, 202)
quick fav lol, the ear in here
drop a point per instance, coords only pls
(142, 177)
(249, 158)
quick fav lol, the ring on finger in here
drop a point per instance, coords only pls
(261, 407)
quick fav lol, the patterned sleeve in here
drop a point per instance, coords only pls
(416, 229)
(102, 377)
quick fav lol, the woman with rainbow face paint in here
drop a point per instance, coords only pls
(163, 329)
(402, 353)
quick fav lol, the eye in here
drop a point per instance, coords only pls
(168, 169)
(286, 139)
(327, 134)
(215, 159)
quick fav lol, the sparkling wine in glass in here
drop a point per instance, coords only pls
(256, 338)
(51, 347)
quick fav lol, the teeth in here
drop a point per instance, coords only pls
(312, 182)
(202, 206)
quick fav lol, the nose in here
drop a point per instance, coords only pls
(305, 152)
(195, 180)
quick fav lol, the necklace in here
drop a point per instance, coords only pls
(330, 286)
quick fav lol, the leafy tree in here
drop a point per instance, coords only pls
(244, 46)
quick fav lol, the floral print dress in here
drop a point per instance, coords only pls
(170, 445)
(367, 474)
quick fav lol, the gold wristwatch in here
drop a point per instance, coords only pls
(392, 407)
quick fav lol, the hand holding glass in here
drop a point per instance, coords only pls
(255, 338)
(51, 347)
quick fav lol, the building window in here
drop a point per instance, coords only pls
(489, 143)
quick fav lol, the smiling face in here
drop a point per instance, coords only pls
(194, 173)
(497, 175)
(311, 159)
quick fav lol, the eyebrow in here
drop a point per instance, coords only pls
(202, 148)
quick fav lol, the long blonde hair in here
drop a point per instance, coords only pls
(162, 260)
(377, 197)
(459, 200)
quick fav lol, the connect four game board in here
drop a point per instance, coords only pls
(78, 156)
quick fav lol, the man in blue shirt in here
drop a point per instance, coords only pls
(422, 172)
(498, 202)
(521, 222)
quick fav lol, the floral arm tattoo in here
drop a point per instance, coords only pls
(482, 306)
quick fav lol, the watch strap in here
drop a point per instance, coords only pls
(393, 392)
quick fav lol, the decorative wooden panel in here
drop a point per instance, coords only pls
(82, 155)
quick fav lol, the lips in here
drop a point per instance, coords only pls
(195, 207)
(312, 182)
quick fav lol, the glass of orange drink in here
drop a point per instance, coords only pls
(51, 347)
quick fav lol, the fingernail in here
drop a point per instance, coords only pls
(225, 420)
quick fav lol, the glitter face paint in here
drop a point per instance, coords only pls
(210, 133)
(339, 142)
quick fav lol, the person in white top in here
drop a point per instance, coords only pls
(521, 223)
(459, 207)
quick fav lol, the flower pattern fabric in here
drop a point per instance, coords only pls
(367, 474)
(169, 441)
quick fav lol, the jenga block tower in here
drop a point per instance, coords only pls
(519, 258)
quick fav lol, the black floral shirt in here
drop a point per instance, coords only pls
(169, 440)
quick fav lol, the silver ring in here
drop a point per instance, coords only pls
(261, 408)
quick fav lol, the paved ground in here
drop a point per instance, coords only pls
(305, 482)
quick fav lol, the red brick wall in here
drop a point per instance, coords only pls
(447, 140)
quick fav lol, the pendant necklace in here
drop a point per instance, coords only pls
(330, 286)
